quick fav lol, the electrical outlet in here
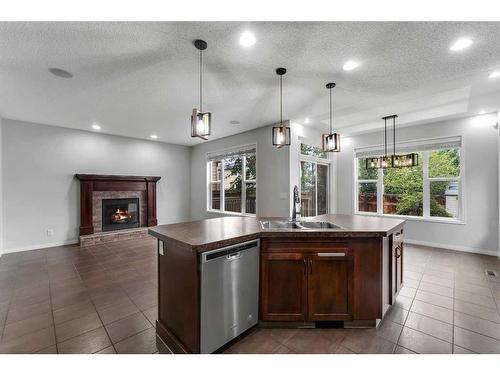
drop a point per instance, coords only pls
(50, 232)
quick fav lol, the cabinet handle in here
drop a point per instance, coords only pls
(397, 252)
(310, 266)
(331, 254)
(305, 266)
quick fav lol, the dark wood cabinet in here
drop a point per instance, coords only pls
(396, 264)
(330, 286)
(284, 287)
(307, 285)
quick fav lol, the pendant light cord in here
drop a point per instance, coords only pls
(385, 136)
(331, 106)
(201, 80)
(281, 100)
(394, 135)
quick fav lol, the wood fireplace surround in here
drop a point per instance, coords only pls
(94, 182)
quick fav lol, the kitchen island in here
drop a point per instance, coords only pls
(349, 274)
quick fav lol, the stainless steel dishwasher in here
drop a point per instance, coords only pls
(229, 293)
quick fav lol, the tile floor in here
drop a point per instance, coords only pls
(102, 299)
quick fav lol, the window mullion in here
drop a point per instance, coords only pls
(426, 185)
(222, 195)
(380, 191)
(243, 185)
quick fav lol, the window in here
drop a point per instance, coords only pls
(430, 190)
(314, 177)
(233, 182)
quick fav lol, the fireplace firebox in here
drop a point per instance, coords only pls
(120, 213)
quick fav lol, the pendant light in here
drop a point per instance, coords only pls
(331, 141)
(405, 160)
(381, 161)
(281, 133)
(394, 161)
(200, 121)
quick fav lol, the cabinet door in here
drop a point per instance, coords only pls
(398, 254)
(330, 286)
(283, 287)
(396, 265)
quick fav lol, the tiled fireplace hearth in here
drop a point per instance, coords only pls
(114, 208)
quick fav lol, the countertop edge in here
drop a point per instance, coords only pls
(269, 233)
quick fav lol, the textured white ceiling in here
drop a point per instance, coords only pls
(135, 79)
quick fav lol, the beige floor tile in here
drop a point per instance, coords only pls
(433, 311)
(396, 315)
(484, 327)
(432, 327)
(476, 342)
(477, 289)
(438, 281)
(475, 299)
(436, 289)
(434, 299)
(477, 311)
(421, 343)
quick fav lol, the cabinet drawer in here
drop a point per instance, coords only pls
(295, 245)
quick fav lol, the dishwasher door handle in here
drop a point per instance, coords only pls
(233, 256)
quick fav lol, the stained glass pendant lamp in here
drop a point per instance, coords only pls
(281, 133)
(331, 141)
(201, 121)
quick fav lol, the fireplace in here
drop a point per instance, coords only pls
(120, 213)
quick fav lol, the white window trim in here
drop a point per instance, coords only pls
(316, 160)
(460, 220)
(244, 181)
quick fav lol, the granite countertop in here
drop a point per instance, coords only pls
(204, 235)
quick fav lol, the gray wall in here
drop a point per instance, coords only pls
(480, 232)
(41, 192)
(272, 173)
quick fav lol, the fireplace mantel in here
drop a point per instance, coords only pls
(95, 182)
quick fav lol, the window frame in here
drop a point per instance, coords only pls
(316, 160)
(426, 180)
(244, 182)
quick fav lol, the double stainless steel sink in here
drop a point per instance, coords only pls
(302, 225)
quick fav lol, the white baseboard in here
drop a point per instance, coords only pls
(42, 246)
(453, 247)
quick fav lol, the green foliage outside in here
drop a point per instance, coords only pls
(233, 167)
(407, 183)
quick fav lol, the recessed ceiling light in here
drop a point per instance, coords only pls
(153, 136)
(60, 73)
(461, 44)
(247, 39)
(350, 65)
(306, 120)
(494, 74)
(482, 112)
(96, 127)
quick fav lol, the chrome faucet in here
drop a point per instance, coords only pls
(296, 201)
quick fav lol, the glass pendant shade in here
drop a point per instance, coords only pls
(201, 121)
(407, 160)
(331, 142)
(200, 124)
(281, 133)
(281, 136)
(379, 162)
